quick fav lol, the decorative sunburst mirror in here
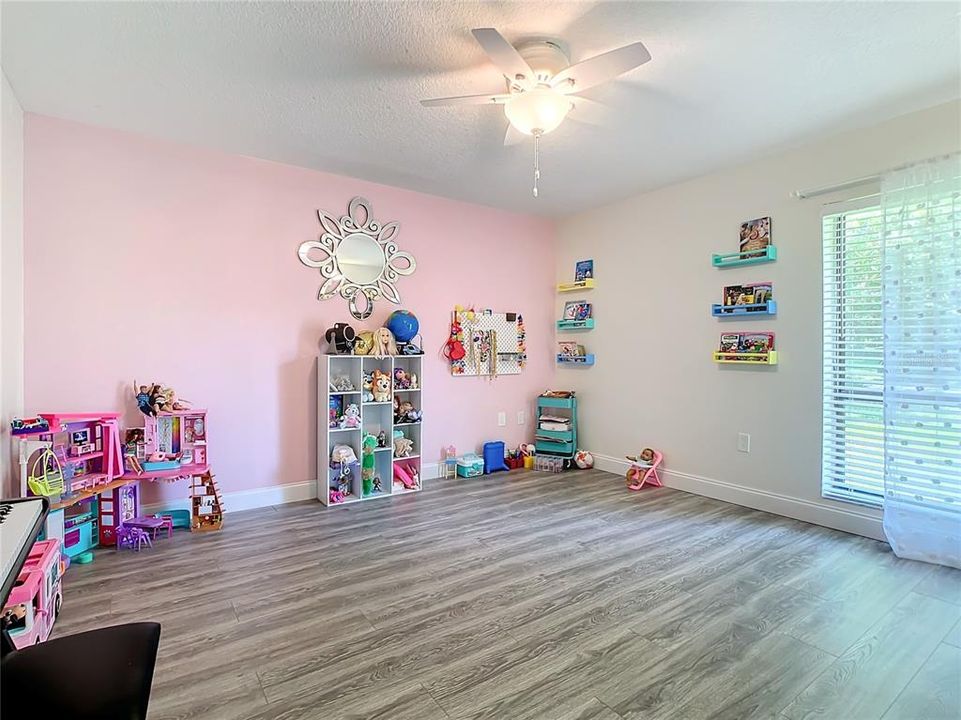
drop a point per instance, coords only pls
(358, 258)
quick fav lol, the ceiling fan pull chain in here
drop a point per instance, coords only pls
(537, 154)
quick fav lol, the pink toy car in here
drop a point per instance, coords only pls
(37, 595)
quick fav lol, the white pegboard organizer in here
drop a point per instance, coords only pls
(504, 326)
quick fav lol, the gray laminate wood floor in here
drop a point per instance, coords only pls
(533, 596)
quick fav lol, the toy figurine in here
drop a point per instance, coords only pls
(413, 381)
(351, 417)
(401, 379)
(384, 343)
(382, 439)
(377, 485)
(367, 464)
(171, 402)
(404, 412)
(381, 386)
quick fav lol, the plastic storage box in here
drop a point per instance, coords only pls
(470, 465)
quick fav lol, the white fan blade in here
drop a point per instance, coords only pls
(504, 56)
(588, 112)
(600, 68)
(467, 100)
(514, 136)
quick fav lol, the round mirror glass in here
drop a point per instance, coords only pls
(360, 258)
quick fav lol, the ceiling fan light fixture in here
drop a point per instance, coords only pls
(537, 111)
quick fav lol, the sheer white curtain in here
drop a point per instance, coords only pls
(921, 276)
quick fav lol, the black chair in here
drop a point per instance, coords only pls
(102, 674)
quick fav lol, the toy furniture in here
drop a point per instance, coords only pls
(132, 537)
(150, 524)
(450, 462)
(376, 385)
(556, 433)
(206, 503)
(639, 475)
(37, 595)
(104, 673)
(494, 457)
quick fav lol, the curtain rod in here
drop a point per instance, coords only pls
(814, 192)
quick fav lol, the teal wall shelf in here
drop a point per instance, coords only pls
(744, 311)
(769, 254)
(575, 325)
(576, 359)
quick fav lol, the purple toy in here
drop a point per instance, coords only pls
(132, 537)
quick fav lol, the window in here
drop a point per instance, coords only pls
(852, 454)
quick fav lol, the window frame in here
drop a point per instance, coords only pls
(830, 398)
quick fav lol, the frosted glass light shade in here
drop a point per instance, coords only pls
(540, 109)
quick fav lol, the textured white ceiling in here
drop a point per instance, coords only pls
(335, 86)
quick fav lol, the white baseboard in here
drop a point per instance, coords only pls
(268, 496)
(847, 520)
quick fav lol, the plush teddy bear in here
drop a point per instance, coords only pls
(381, 386)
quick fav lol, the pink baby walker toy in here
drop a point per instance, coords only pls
(643, 469)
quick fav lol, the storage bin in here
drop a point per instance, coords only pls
(470, 465)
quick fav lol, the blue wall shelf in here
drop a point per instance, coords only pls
(769, 254)
(575, 325)
(742, 311)
(576, 359)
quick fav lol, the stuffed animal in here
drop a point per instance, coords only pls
(351, 417)
(403, 446)
(413, 381)
(364, 343)
(342, 455)
(401, 380)
(384, 343)
(367, 388)
(401, 409)
(342, 383)
(336, 496)
(381, 386)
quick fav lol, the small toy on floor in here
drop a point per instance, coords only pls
(643, 469)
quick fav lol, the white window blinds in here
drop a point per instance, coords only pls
(852, 455)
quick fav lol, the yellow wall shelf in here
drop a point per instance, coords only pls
(587, 284)
(746, 358)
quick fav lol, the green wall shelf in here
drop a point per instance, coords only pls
(769, 254)
(575, 325)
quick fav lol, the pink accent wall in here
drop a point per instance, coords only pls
(158, 261)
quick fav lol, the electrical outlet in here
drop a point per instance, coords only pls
(743, 442)
(502, 419)
(520, 417)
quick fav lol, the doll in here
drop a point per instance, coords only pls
(401, 379)
(143, 395)
(384, 343)
(641, 471)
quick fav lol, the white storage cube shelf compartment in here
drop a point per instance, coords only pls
(333, 399)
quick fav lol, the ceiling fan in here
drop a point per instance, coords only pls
(541, 83)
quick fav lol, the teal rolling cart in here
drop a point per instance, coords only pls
(558, 443)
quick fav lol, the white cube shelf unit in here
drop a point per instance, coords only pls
(374, 418)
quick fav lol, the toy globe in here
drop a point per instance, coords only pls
(403, 324)
(584, 460)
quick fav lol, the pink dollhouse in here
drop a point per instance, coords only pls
(34, 602)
